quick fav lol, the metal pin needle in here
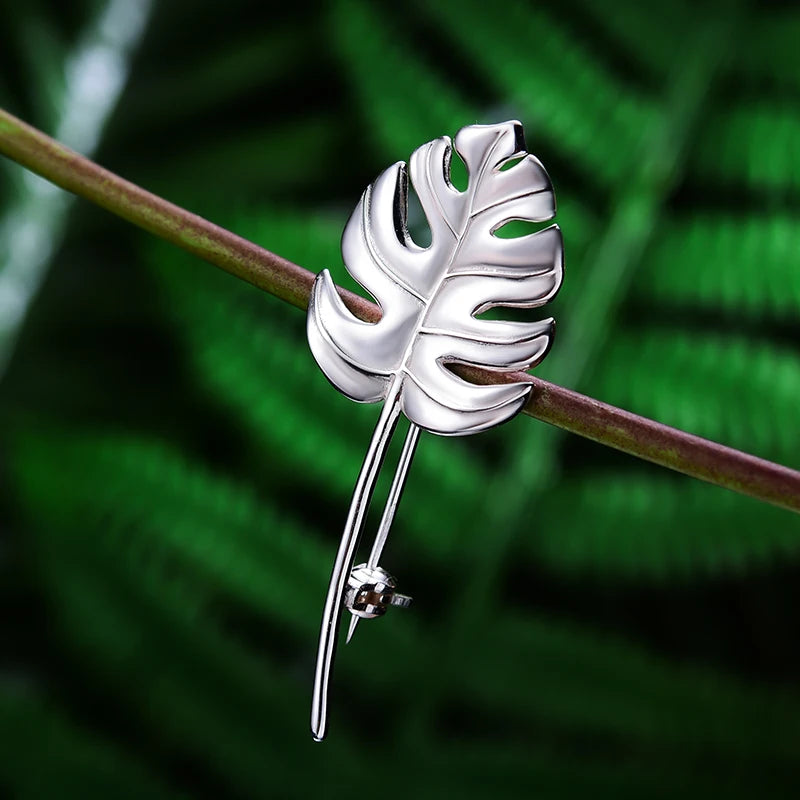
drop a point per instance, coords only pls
(392, 502)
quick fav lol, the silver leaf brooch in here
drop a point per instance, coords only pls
(431, 300)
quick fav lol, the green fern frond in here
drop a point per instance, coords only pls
(743, 265)
(46, 755)
(376, 58)
(125, 605)
(181, 517)
(293, 154)
(563, 90)
(657, 527)
(235, 69)
(545, 763)
(712, 385)
(194, 686)
(731, 150)
(771, 55)
(645, 34)
(585, 681)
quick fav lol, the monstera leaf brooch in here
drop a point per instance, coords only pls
(431, 300)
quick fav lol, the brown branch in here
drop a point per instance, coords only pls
(550, 403)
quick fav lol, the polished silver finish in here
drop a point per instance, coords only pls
(431, 298)
(370, 591)
(395, 493)
(343, 564)
(390, 509)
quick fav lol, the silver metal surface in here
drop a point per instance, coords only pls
(370, 591)
(343, 564)
(395, 493)
(431, 300)
(390, 509)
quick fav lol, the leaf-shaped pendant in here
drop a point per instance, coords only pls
(430, 298)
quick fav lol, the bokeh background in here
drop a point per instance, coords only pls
(176, 471)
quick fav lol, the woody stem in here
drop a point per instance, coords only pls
(556, 405)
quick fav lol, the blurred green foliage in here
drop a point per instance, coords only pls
(176, 469)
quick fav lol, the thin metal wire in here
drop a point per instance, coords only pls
(343, 565)
(390, 509)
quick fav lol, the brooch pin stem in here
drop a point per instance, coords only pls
(390, 509)
(345, 557)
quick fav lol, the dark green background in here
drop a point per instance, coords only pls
(176, 470)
